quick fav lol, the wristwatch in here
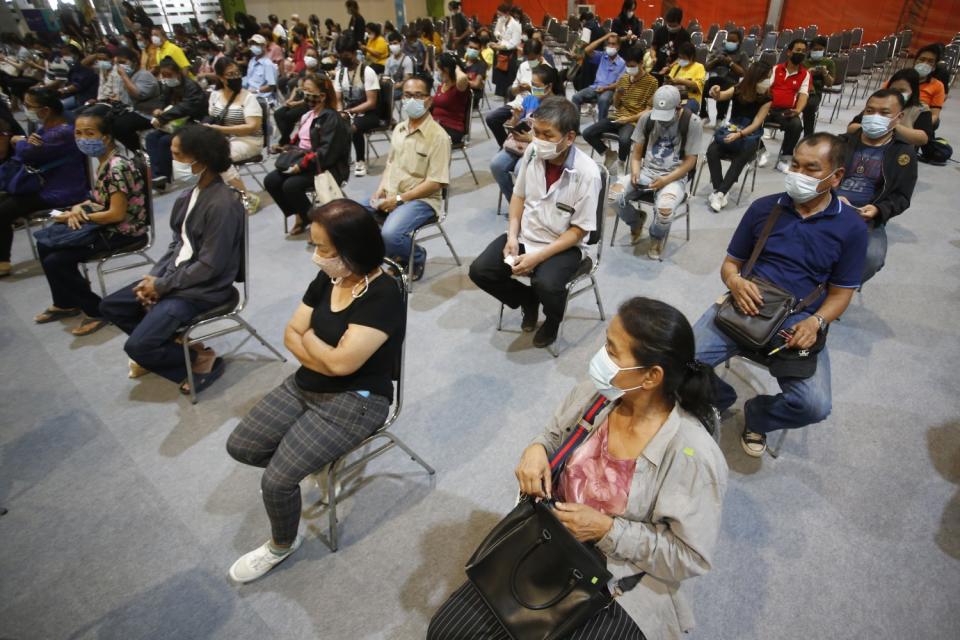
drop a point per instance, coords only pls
(821, 322)
(399, 200)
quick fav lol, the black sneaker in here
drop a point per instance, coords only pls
(530, 314)
(418, 268)
(546, 335)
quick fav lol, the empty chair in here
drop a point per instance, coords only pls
(833, 43)
(769, 41)
(810, 33)
(769, 57)
(854, 68)
(846, 40)
(712, 32)
(749, 46)
(869, 56)
(784, 38)
(856, 37)
(839, 82)
(696, 38)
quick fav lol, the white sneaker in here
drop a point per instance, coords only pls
(655, 251)
(754, 444)
(252, 565)
(763, 159)
(610, 158)
(251, 202)
(716, 201)
(767, 134)
(783, 165)
(360, 169)
(723, 200)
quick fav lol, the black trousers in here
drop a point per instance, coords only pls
(126, 128)
(290, 192)
(724, 182)
(722, 106)
(495, 121)
(287, 119)
(548, 282)
(361, 124)
(810, 114)
(792, 128)
(593, 135)
(503, 79)
(11, 209)
(68, 287)
(16, 85)
(455, 136)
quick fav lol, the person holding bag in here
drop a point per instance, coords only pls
(788, 247)
(321, 143)
(643, 486)
(47, 170)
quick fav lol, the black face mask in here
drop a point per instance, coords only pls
(235, 84)
(797, 58)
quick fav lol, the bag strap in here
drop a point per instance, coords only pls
(223, 114)
(584, 426)
(762, 240)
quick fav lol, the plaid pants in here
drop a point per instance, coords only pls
(465, 616)
(293, 433)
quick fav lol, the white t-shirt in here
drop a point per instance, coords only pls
(348, 83)
(244, 106)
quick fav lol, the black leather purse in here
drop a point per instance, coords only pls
(540, 581)
(755, 332)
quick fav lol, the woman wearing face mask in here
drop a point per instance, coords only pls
(347, 334)
(688, 75)
(358, 91)
(626, 24)
(287, 116)
(375, 48)
(645, 487)
(738, 140)
(452, 98)
(183, 101)
(52, 151)
(727, 67)
(932, 90)
(324, 140)
(916, 123)
(82, 82)
(237, 114)
(118, 210)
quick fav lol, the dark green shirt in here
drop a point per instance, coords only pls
(829, 66)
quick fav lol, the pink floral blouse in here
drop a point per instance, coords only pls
(594, 478)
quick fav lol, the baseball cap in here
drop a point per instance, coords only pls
(258, 39)
(665, 102)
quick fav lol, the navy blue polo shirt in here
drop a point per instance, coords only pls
(829, 246)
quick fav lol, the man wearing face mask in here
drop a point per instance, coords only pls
(399, 65)
(823, 72)
(816, 242)
(82, 82)
(610, 66)
(140, 90)
(881, 172)
(668, 38)
(533, 54)
(261, 77)
(552, 211)
(417, 169)
(727, 66)
(789, 89)
(167, 49)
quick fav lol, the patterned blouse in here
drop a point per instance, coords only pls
(595, 478)
(119, 175)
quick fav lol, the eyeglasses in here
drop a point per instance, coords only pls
(415, 96)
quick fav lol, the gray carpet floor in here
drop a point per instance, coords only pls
(126, 511)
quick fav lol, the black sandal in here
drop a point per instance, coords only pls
(52, 315)
(204, 380)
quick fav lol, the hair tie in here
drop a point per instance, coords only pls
(695, 366)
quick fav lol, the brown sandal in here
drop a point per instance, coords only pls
(52, 314)
(88, 326)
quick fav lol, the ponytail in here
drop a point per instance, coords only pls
(696, 391)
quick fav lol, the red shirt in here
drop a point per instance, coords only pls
(552, 173)
(450, 108)
(784, 88)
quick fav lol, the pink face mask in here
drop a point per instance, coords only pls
(333, 267)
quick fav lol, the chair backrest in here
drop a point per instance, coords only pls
(696, 38)
(265, 122)
(562, 32)
(883, 51)
(784, 38)
(712, 32)
(782, 57)
(386, 100)
(730, 26)
(856, 37)
(142, 165)
(755, 30)
(769, 41)
(810, 33)
(702, 52)
(846, 39)
(869, 57)
(596, 236)
(397, 374)
(718, 41)
(607, 24)
(769, 57)
(834, 40)
(842, 61)
(855, 63)
(647, 35)
(749, 46)
(574, 23)
(907, 36)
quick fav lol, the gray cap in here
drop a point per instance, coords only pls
(665, 103)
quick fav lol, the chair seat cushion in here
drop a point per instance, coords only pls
(135, 243)
(219, 310)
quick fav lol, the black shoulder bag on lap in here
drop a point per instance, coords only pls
(755, 332)
(540, 581)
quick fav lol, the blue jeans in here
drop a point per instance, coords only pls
(151, 343)
(501, 166)
(399, 225)
(876, 252)
(590, 94)
(801, 401)
(158, 148)
(665, 203)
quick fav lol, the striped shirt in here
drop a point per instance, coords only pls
(637, 96)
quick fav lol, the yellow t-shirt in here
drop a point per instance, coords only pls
(487, 55)
(693, 71)
(378, 51)
(175, 52)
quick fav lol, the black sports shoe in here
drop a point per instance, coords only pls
(530, 314)
(546, 334)
(418, 268)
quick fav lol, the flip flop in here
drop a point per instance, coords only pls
(204, 380)
(51, 315)
(88, 326)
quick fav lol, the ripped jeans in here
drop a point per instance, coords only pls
(665, 203)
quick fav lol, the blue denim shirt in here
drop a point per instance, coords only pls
(608, 71)
(261, 71)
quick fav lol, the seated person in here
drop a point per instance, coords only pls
(880, 173)
(358, 92)
(117, 210)
(727, 67)
(375, 49)
(324, 138)
(504, 163)
(475, 67)
(932, 91)
(183, 101)
(52, 150)
(196, 273)
(916, 122)
(288, 116)
(9, 127)
(789, 89)
(668, 37)
(610, 67)
(413, 48)
(236, 113)
(646, 486)
(811, 217)
(533, 54)
(751, 104)
(347, 335)
(666, 145)
(451, 99)
(260, 79)
(418, 167)
(137, 89)
(399, 65)
(543, 240)
(687, 75)
(823, 73)
(632, 97)
(82, 82)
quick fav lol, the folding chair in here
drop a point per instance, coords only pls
(477, 96)
(773, 450)
(769, 41)
(839, 82)
(228, 311)
(748, 170)
(854, 68)
(712, 32)
(386, 124)
(866, 72)
(464, 144)
(846, 39)
(810, 33)
(856, 37)
(139, 246)
(250, 166)
(696, 38)
(436, 221)
(749, 46)
(834, 40)
(587, 270)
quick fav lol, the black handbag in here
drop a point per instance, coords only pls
(755, 332)
(289, 158)
(540, 581)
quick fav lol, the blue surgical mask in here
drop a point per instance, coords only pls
(923, 69)
(414, 108)
(104, 65)
(875, 125)
(93, 147)
(731, 46)
(603, 370)
(538, 92)
(256, 50)
(816, 55)
(127, 68)
(683, 62)
(170, 82)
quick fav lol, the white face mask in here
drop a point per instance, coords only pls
(923, 69)
(906, 96)
(876, 125)
(803, 188)
(395, 49)
(632, 71)
(603, 370)
(333, 267)
(156, 41)
(310, 61)
(610, 51)
(545, 149)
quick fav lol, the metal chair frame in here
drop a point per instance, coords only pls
(751, 168)
(386, 84)
(440, 233)
(249, 166)
(775, 449)
(464, 144)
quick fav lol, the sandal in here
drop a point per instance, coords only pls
(51, 314)
(297, 229)
(204, 380)
(88, 326)
(135, 370)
